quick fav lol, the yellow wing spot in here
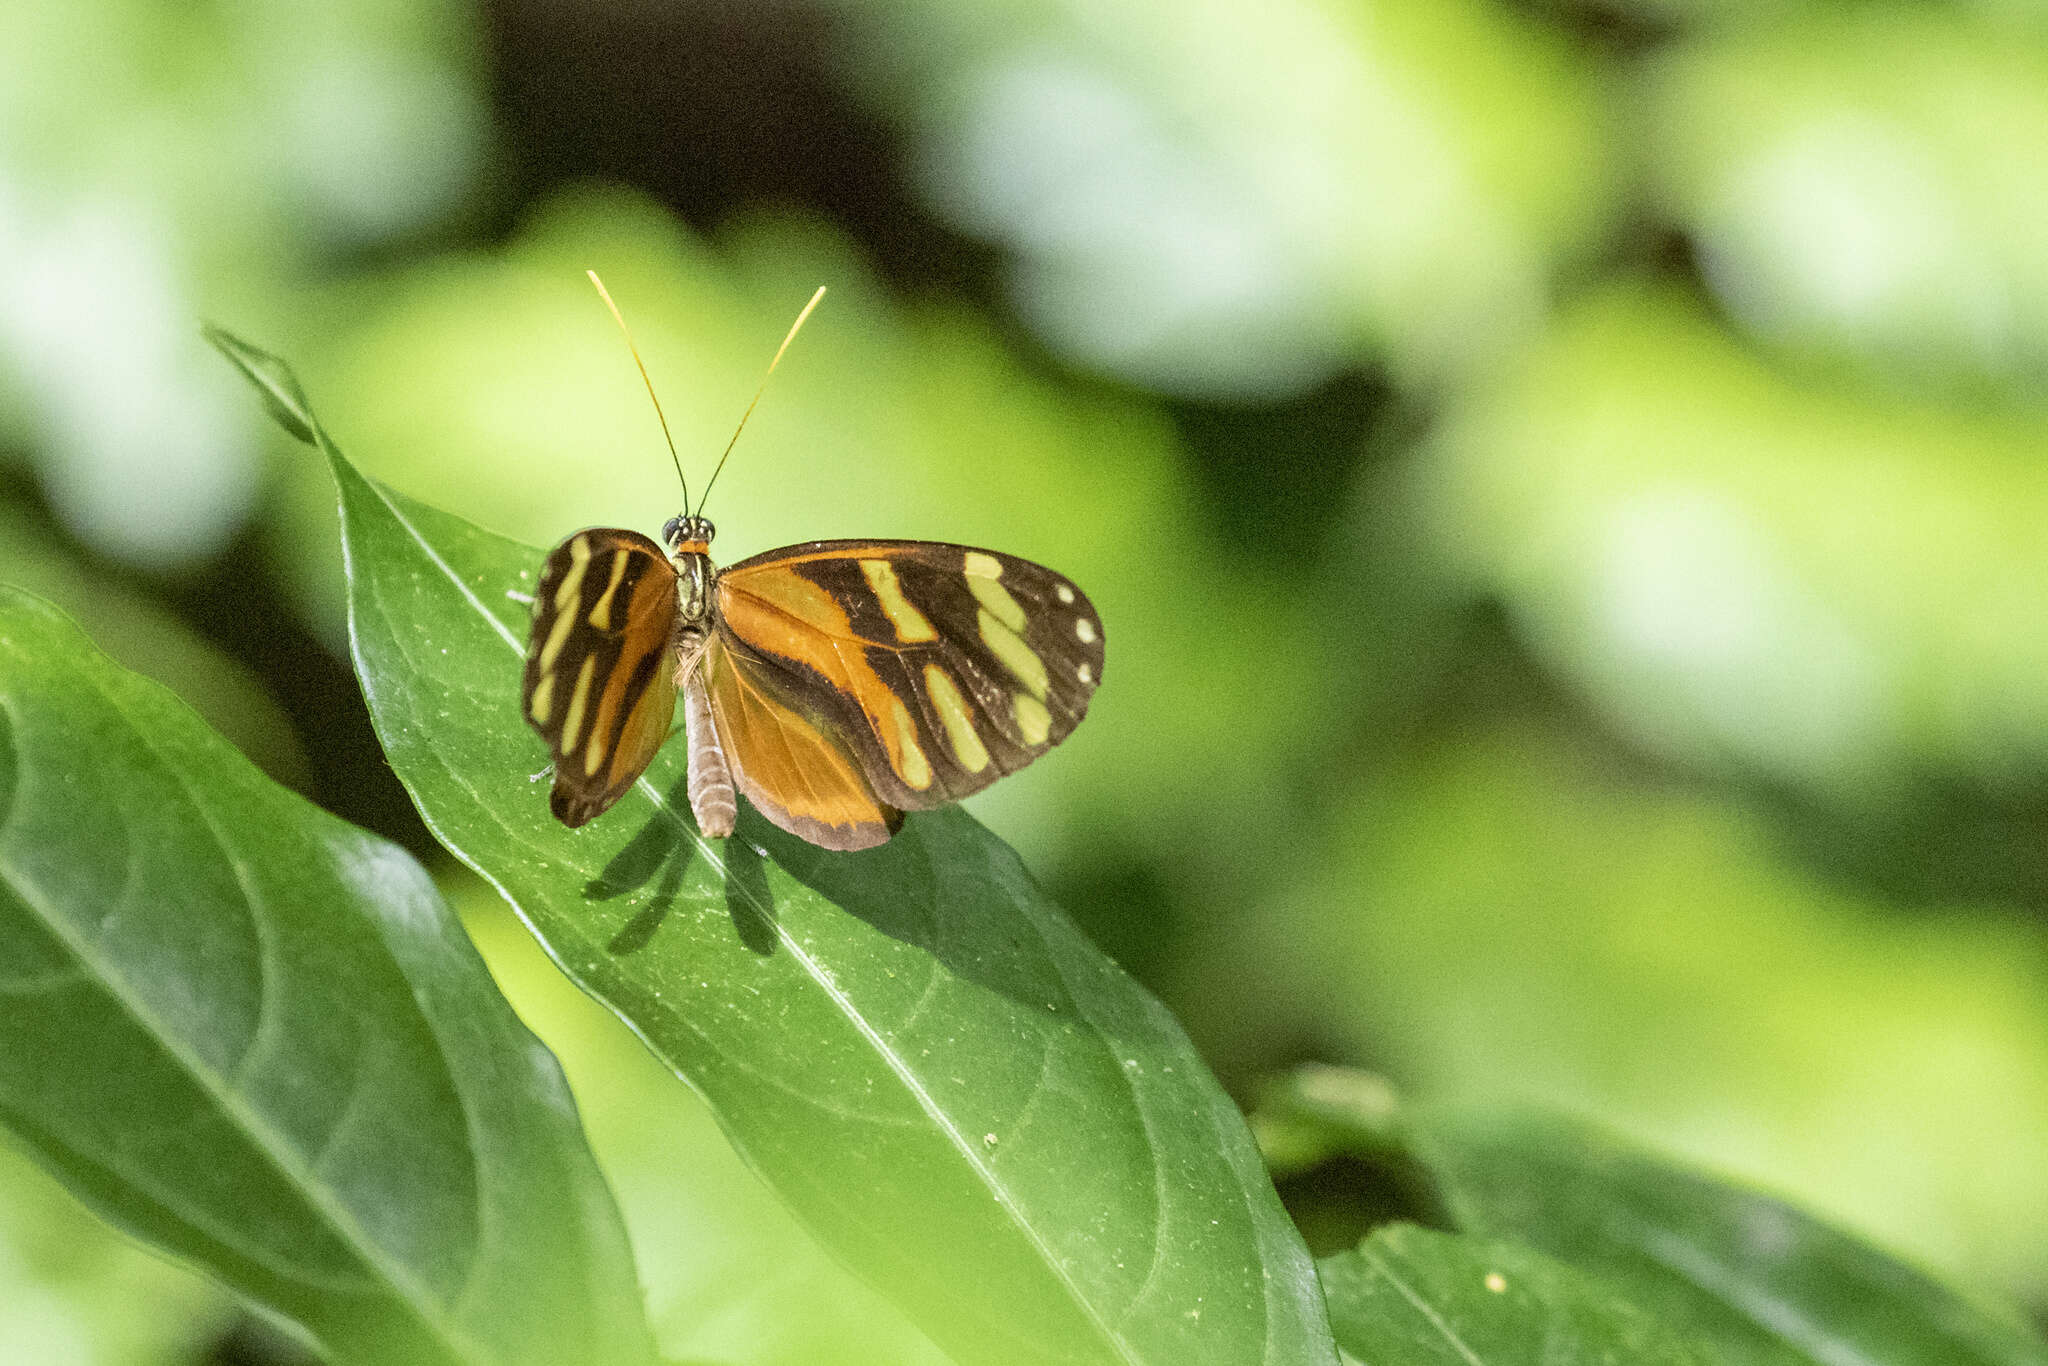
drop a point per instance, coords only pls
(983, 566)
(601, 615)
(1033, 720)
(996, 600)
(572, 724)
(1085, 629)
(909, 624)
(1017, 657)
(543, 703)
(1086, 673)
(967, 746)
(566, 593)
(1066, 595)
(565, 622)
(911, 765)
(572, 581)
(593, 756)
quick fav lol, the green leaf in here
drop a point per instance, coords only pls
(257, 1038)
(283, 399)
(1548, 925)
(1758, 1282)
(1761, 1281)
(958, 1094)
(1420, 1298)
(754, 1289)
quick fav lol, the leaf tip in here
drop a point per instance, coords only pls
(274, 380)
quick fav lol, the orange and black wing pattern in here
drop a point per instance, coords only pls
(938, 668)
(600, 668)
(787, 757)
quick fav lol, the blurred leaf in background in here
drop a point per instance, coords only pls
(153, 641)
(1755, 572)
(1214, 200)
(1862, 182)
(158, 161)
(73, 1292)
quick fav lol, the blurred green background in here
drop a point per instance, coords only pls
(1566, 482)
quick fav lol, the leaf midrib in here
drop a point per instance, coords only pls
(896, 1064)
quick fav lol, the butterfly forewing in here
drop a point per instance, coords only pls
(600, 676)
(943, 667)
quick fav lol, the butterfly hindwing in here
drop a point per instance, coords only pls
(792, 767)
(942, 667)
(600, 676)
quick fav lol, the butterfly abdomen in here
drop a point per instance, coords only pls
(712, 799)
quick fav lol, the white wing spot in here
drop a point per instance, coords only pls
(1066, 595)
(1085, 629)
(1085, 673)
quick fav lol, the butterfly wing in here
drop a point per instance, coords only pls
(790, 761)
(940, 667)
(600, 677)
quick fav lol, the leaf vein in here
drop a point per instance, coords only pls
(267, 1140)
(1420, 1305)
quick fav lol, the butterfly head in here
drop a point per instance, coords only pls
(688, 534)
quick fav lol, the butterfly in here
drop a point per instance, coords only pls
(837, 684)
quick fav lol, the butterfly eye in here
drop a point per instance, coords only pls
(672, 530)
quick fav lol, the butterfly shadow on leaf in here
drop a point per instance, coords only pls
(659, 856)
(947, 887)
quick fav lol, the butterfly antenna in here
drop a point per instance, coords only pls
(619, 318)
(793, 327)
